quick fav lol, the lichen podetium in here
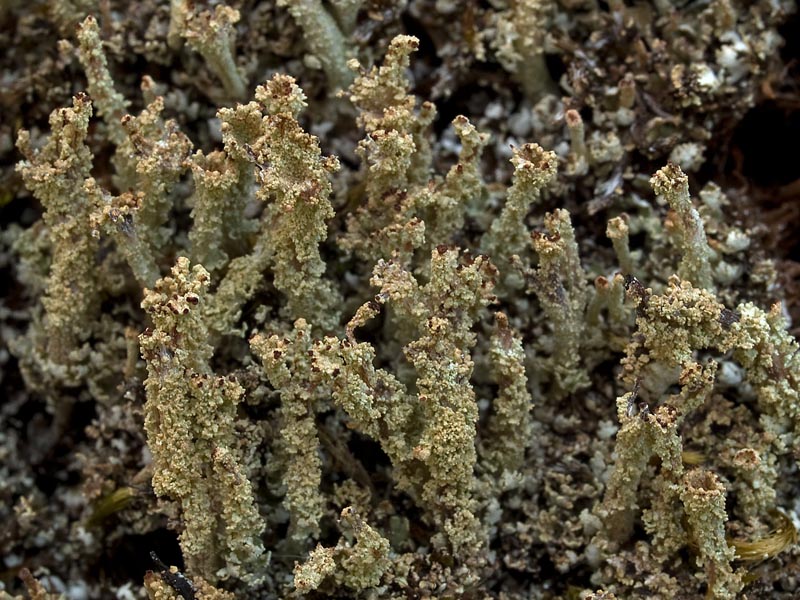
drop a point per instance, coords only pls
(425, 299)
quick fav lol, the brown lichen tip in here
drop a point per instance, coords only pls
(670, 180)
(533, 165)
(281, 95)
(178, 294)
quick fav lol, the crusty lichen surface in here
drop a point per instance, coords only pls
(394, 300)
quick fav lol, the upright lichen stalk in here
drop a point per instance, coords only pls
(534, 169)
(703, 498)
(294, 181)
(213, 36)
(324, 36)
(288, 366)
(189, 421)
(520, 36)
(111, 105)
(695, 265)
(560, 284)
(444, 311)
(56, 174)
(396, 156)
(510, 425)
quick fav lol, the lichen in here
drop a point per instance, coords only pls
(395, 322)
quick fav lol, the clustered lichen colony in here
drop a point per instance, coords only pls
(521, 363)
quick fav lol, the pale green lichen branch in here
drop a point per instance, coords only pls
(55, 174)
(325, 39)
(511, 423)
(189, 421)
(534, 170)
(116, 217)
(358, 565)
(396, 156)
(671, 183)
(703, 497)
(560, 283)
(217, 202)
(618, 232)
(154, 155)
(288, 365)
(294, 182)
(111, 105)
(686, 319)
(519, 41)
(444, 204)
(213, 36)
(444, 310)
